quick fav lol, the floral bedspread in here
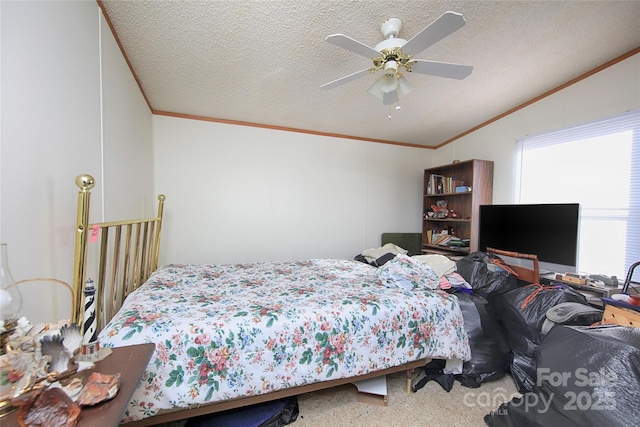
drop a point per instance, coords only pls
(226, 331)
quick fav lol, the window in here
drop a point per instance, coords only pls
(598, 166)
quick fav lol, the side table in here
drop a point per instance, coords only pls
(130, 362)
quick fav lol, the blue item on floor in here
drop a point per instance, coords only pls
(276, 413)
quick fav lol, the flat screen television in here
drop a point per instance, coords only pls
(549, 231)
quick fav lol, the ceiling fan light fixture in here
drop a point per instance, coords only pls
(385, 84)
(390, 98)
(404, 87)
(390, 68)
(395, 53)
(376, 89)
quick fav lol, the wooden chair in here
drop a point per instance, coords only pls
(530, 275)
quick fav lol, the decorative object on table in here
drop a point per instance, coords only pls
(73, 387)
(59, 357)
(26, 364)
(71, 338)
(10, 298)
(51, 407)
(90, 344)
(7, 328)
(99, 387)
(12, 370)
(36, 357)
(97, 356)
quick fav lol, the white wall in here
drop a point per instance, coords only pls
(239, 193)
(127, 175)
(69, 106)
(608, 93)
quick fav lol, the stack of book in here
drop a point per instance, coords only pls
(456, 242)
(444, 238)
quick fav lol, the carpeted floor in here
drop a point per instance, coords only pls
(429, 406)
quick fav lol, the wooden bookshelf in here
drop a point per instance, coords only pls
(464, 186)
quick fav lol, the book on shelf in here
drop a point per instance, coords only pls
(435, 184)
(437, 237)
(446, 238)
(439, 184)
(442, 240)
(458, 242)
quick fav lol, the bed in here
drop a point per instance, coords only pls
(232, 335)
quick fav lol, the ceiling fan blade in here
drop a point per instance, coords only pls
(448, 23)
(390, 97)
(440, 69)
(345, 79)
(353, 45)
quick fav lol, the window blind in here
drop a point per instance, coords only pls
(597, 165)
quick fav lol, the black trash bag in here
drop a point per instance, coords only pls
(489, 348)
(522, 313)
(523, 372)
(523, 368)
(485, 280)
(518, 412)
(433, 371)
(587, 376)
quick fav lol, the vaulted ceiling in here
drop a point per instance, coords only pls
(262, 62)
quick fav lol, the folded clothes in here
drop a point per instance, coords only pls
(440, 263)
(373, 254)
(457, 281)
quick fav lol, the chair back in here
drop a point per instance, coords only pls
(530, 275)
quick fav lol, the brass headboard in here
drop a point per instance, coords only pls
(121, 266)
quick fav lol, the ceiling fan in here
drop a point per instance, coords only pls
(394, 54)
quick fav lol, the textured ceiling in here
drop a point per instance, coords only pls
(263, 62)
